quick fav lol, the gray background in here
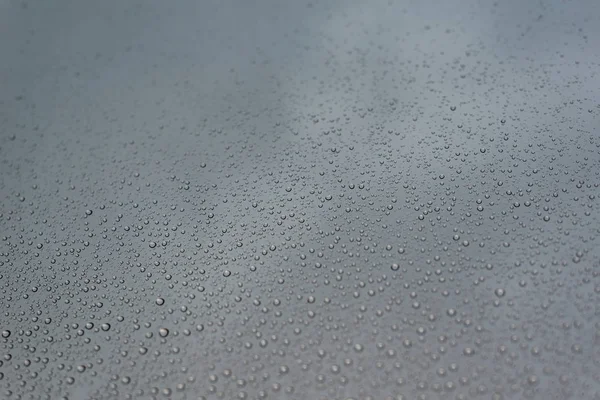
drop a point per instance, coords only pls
(299, 200)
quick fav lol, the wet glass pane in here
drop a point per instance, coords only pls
(296, 200)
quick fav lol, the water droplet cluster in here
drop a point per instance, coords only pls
(337, 201)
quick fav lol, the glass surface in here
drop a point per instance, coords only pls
(300, 200)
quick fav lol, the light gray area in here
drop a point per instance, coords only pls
(299, 200)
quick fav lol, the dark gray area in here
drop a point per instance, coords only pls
(300, 200)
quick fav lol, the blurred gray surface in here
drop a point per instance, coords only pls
(300, 200)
